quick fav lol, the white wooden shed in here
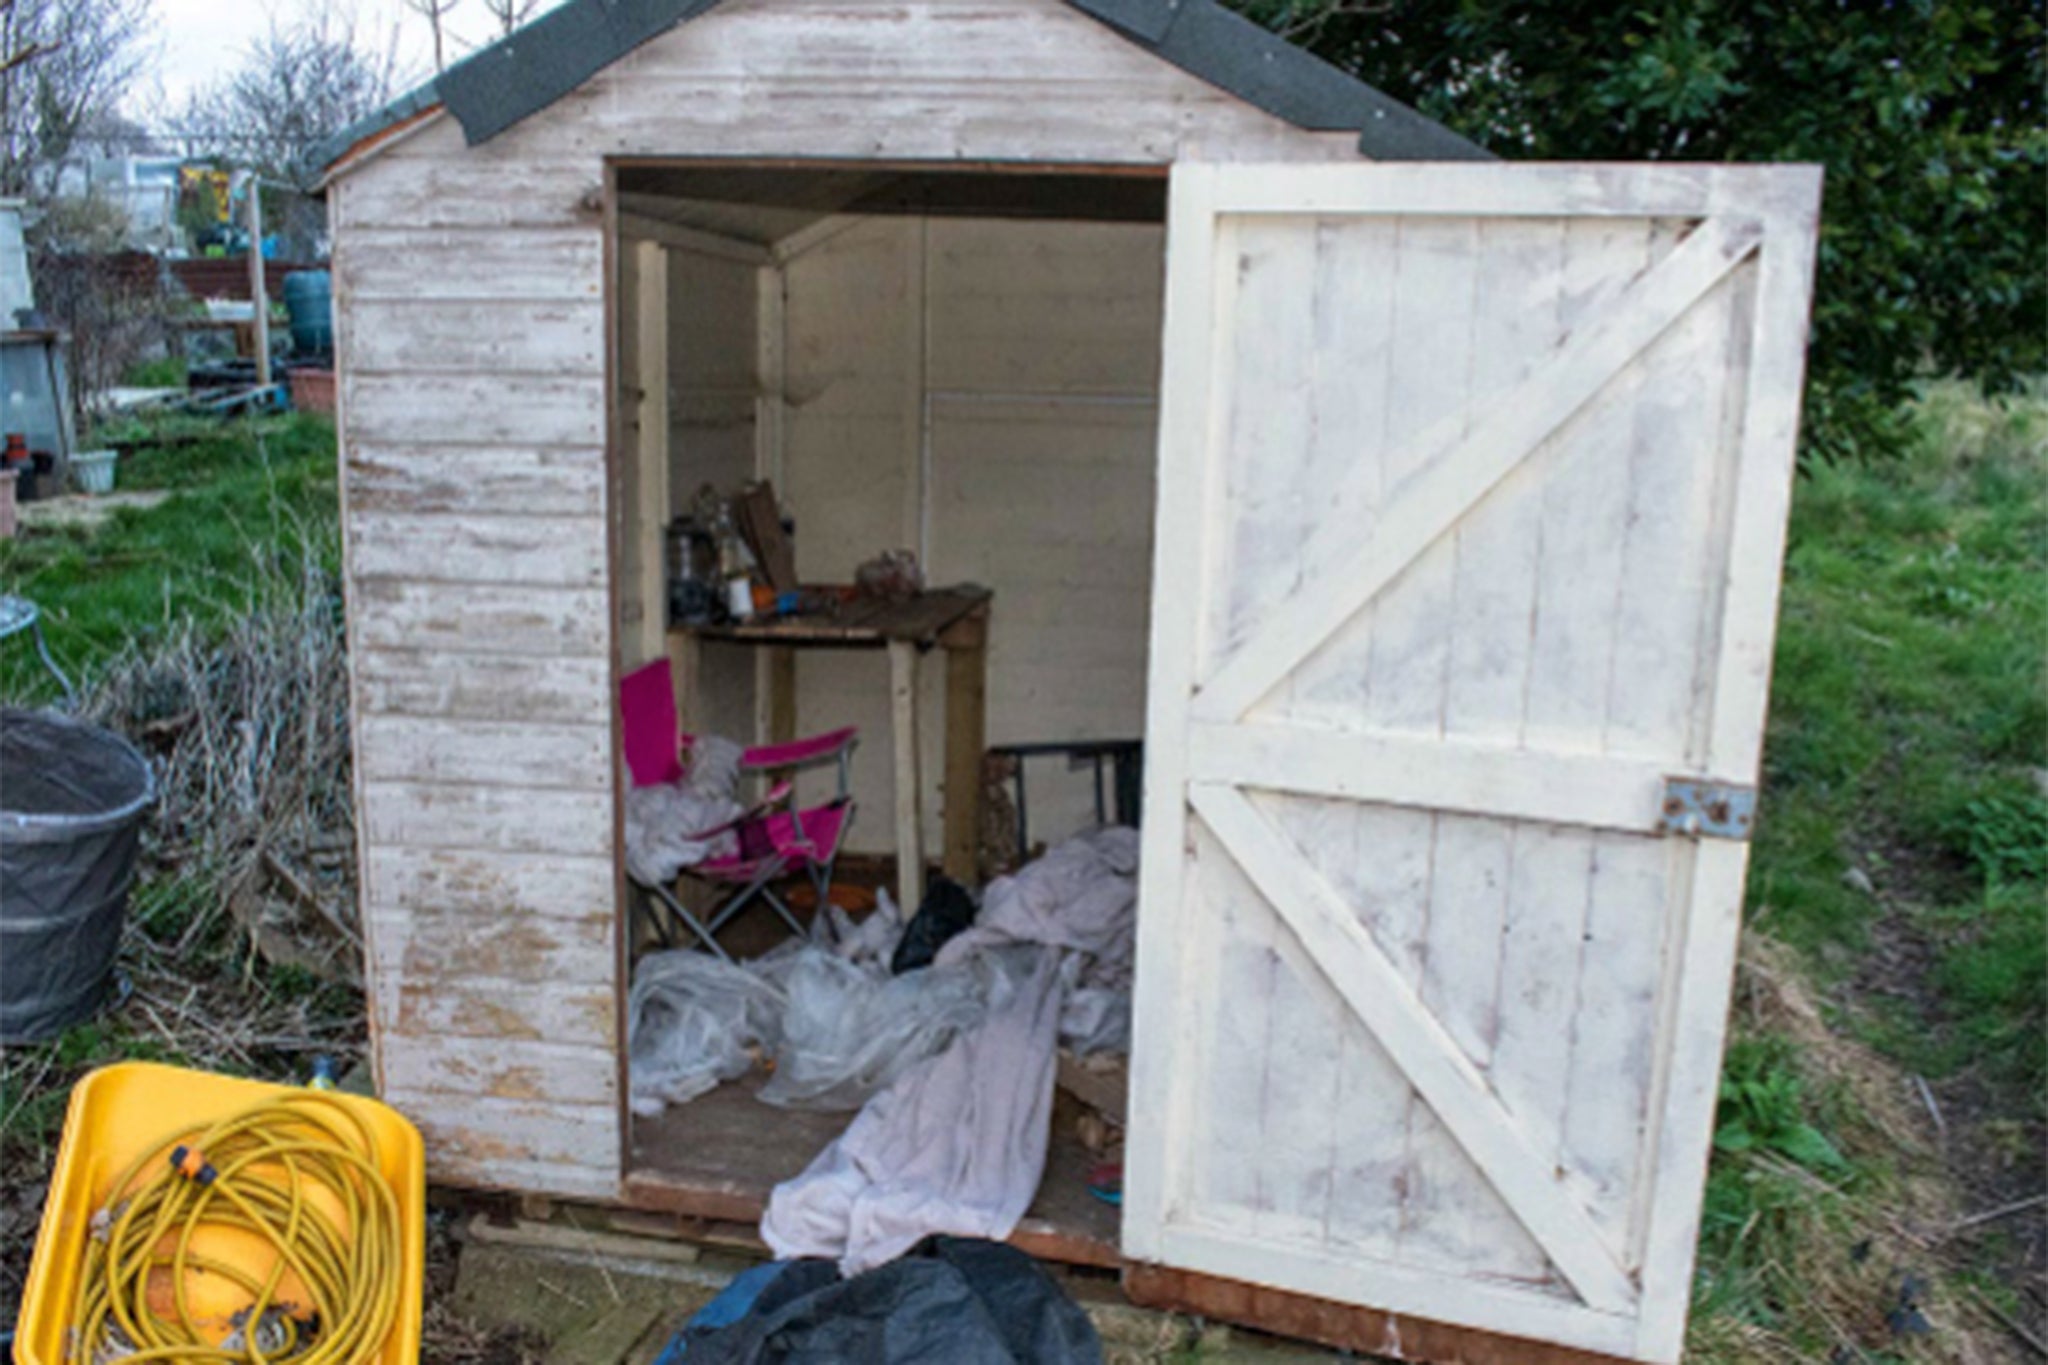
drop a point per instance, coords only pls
(1422, 513)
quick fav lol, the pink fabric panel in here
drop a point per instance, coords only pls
(776, 837)
(647, 721)
(799, 750)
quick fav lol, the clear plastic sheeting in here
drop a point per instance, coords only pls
(951, 1065)
(838, 1025)
(661, 819)
(1093, 1018)
(692, 1021)
(956, 1143)
(849, 1028)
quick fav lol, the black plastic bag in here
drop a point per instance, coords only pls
(950, 1301)
(947, 909)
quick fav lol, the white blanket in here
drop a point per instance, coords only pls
(956, 1144)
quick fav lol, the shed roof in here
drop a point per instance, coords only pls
(533, 67)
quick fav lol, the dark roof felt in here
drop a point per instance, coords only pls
(530, 69)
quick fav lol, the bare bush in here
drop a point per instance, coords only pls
(112, 301)
(297, 86)
(248, 728)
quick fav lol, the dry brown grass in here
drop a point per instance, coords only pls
(449, 1339)
(247, 727)
(1842, 1252)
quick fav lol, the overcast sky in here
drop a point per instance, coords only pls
(199, 41)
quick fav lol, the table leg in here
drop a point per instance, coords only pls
(966, 741)
(909, 780)
(685, 664)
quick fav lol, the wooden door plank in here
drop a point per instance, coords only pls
(1501, 189)
(1470, 776)
(909, 777)
(1679, 460)
(1338, 1324)
(1763, 492)
(1542, 944)
(1353, 437)
(1432, 1061)
(1635, 901)
(1163, 1019)
(1405, 1289)
(1741, 683)
(1579, 512)
(1460, 470)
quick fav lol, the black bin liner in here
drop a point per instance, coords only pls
(950, 1301)
(72, 800)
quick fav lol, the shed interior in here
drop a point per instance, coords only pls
(962, 362)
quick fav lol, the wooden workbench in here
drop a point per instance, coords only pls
(952, 619)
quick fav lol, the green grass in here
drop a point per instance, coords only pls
(165, 372)
(1909, 725)
(241, 492)
(1902, 855)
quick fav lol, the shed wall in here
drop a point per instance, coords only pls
(982, 392)
(714, 387)
(470, 288)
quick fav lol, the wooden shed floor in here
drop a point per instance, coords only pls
(718, 1156)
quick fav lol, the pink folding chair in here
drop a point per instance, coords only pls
(770, 841)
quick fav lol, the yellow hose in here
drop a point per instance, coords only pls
(256, 1172)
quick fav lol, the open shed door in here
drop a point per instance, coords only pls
(1473, 484)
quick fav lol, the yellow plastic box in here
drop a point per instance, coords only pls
(119, 1114)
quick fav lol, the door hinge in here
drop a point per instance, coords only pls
(1722, 810)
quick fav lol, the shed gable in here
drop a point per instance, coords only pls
(1220, 51)
(944, 80)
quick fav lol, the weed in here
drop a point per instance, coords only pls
(1763, 1108)
(2004, 833)
(164, 372)
(207, 627)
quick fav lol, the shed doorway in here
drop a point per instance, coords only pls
(961, 363)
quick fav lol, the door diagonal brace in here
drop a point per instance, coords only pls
(1428, 1057)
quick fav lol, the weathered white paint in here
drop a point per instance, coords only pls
(471, 298)
(843, 80)
(1461, 551)
(488, 480)
(640, 569)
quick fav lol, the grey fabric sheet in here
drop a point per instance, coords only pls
(957, 1143)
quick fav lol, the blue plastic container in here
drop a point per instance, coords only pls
(309, 299)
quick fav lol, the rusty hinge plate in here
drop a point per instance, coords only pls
(1720, 810)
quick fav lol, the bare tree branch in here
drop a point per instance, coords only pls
(64, 65)
(10, 60)
(297, 87)
(510, 14)
(434, 11)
